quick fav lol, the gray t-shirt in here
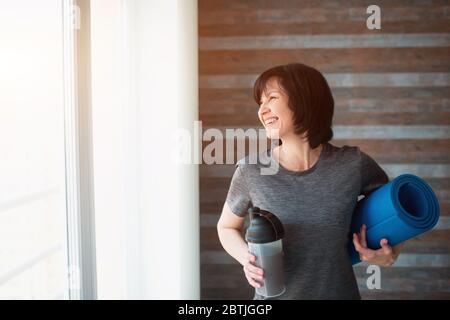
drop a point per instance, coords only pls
(315, 207)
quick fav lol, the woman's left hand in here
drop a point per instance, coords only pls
(385, 256)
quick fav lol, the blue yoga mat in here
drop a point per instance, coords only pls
(399, 210)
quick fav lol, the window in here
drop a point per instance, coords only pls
(45, 204)
(33, 257)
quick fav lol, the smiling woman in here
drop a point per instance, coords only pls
(307, 94)
(314, 192)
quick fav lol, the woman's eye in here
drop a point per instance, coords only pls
(270, 98)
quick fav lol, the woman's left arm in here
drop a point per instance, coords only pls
(385, 256)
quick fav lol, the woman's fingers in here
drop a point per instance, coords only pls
(253, 274)
(363, 236)
(387, 253)
(252, 277)
(385, 247)
(383, 256)
(364, 252)
(357, 243)
(252, 282)
(254, 271)
(252, 268)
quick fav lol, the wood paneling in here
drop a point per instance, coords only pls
(328, 60)
(351, 27)
(392, 99)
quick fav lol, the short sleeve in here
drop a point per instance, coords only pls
(238, 197)
(372, 175)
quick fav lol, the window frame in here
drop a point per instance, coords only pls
(78, 151)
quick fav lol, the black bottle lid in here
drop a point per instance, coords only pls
(264, 227)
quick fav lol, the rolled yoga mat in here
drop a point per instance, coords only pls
(397, 211)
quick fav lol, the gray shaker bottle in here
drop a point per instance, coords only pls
(264, 236)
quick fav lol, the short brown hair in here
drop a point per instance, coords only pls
(310, 99)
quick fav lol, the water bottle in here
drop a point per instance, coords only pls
(264, 236)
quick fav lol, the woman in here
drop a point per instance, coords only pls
(314, 191)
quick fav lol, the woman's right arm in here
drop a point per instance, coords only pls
(229, 229)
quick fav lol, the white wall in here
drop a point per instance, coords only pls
(144, 69)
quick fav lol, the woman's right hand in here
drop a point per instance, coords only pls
(254, 274)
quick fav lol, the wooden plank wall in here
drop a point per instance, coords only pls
(391, 88)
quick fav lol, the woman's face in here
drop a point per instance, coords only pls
(274, 112)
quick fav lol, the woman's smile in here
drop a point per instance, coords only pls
(270, 120)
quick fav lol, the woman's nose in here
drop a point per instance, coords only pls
(263, 109)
